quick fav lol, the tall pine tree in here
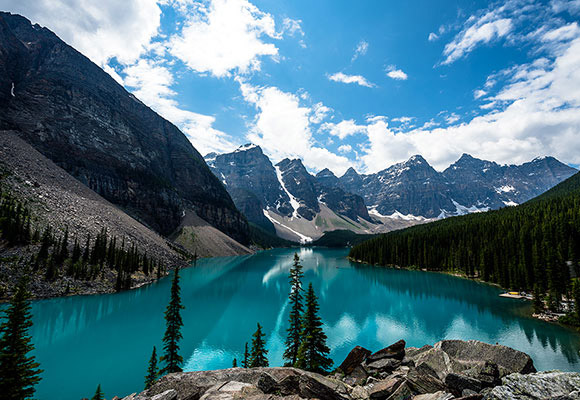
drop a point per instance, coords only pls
(258, 355)
(172, 336)
(152, 370)
(246, 360)
(98, 394)
(19, 371)
(296, 308)
(313, 352)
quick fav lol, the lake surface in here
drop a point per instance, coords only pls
(86, 340)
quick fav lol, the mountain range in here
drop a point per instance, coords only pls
(78, 117)
(285, 198)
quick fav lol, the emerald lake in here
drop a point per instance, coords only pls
(107, 339)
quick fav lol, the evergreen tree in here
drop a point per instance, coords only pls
(296, 308)
(258, 355)
(246, 360)
(172, 336)
(98, 394)
(235, 363)
(19, 371)
(313, 352)
(576, 296)
(152, 370)
(538, 301)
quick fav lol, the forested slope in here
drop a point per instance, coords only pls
(531, 246)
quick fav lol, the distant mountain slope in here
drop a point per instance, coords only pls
(285, 198)
(530, 246)
(469, 185)
(79, 117)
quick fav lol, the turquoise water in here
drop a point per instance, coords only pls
(87, 340)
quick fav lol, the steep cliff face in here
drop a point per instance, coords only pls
(79, 117)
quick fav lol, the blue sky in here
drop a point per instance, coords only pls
(344, 83)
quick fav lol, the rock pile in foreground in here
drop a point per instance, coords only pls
(451, 369)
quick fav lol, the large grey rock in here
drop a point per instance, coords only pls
(248, 383)
(473, 352)
(356, 357)
(441, 395)
(384, 364)
(395, 351)
(403, 392)
(458, 383)
(422, 381)
(384, 389)
(435, 359)
(536, 386)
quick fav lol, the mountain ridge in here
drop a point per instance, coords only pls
(82, 119)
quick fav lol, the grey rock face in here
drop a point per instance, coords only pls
(82, 119)
(540, 385)
(414, 187)
(255, 184)
(473, 352)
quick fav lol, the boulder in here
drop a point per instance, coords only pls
(402, 393)
(424, 382)
(355, 358)
(488, 374)
(458, 383)
(536, 386)
(383, 365)
(396, 351)
(435, 359)
(472, 352)
(441, 395)
(384, 389)
(359, 393)
(413, 352)
(167, 395)
(357, 377)
(237, 383)
(228, 391)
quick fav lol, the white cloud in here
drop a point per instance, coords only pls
(563, 33)
(432, 37)
(345, 148)
(292, 26)
(319, 113)
(151, 84)
(571, 6)
(100, 30)
(343, 128)
(358, 79)
(452, 118)
(225, 36)
(540, 115)
(482, 31)
(404, 119)
(394, 73)
(282, 129)
(479, 93)
(361, 49)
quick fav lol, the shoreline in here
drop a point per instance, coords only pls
(548, 317)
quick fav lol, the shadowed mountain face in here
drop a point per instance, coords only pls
(286, 189)
(79, 117)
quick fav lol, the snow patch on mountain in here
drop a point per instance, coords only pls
(303, 238)
(245, 147)
(293, 201)
(505, 189)
(396, 215)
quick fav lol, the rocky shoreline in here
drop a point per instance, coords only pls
(450, 369)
